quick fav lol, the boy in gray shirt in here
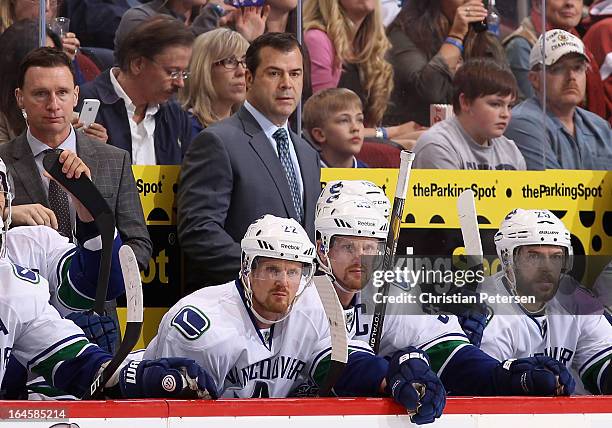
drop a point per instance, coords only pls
(473, 139)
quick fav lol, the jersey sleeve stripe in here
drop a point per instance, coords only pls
(444, 338)
(50, 365)
(67, 294)
(64, 342)
(452, 354)
(604, 353)
(601, 372)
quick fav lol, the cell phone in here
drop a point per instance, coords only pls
(245, 3)
(89, 111)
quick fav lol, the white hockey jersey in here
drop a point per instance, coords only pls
(440, 336)
(30, 328)
(213, 327)
(582, 343)
(45, 251)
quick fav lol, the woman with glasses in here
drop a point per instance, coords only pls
(217, 84)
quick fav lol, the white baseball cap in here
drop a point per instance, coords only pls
(558, 44)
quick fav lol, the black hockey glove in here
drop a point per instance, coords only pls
(539, 375)
(166, 378)
(415, 386)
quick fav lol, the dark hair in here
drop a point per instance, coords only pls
(284, 42)
(15, 43)
(44, 57)
(425, 24)
(479, 77)
(151, 37)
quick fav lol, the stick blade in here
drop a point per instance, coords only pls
(468, 220)
(133, 284)
(335, 316)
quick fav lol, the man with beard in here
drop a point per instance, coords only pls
(351, 236)
(136, 105)
(571, 138)
(265, 333)
(535, 250)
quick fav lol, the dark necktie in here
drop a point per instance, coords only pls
(59, 204)
(282, 145)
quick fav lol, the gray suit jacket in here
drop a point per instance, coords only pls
(231, 176)
(111, 171)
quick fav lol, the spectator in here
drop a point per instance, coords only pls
(12, 11)
(570, 137)
(333, 119)
(136, 104)
(184, 11)
(96, 21)
(598, 41)
(15, 43)
(348, 46)
(429, 41)
(560, 14)
(217, 84)
(49, 113)
(473, 139)
(16, 10)
(248, 165)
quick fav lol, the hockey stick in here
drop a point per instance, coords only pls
(403, 178)
(88, 194)
(466, 209)
(133, 296)
(337, 329)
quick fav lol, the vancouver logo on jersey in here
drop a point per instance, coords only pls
(190, 322)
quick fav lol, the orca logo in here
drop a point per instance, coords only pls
(190, 322)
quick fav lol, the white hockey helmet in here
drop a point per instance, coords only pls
(531, 227)
(361, 188)
(277, 238)
(348, 215)
(5, 189)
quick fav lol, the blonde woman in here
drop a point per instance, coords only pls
(217, 84)
(347, 45)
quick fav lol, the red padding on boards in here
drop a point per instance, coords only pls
(310, 407)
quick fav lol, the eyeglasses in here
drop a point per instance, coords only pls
(173, 74)
(231, 63)
(350, 247)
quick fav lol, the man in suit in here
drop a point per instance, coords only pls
(246, 166)
(47, 95)
(136, 99)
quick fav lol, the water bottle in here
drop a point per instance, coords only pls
(493, 19)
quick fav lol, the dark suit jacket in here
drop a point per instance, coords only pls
(172, 133)
(231, 176)
(111, 171)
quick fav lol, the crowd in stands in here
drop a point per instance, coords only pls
(217, 88)
(177, 86)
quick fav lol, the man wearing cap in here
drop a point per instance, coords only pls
(572, 138)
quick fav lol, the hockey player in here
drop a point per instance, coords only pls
(35, 334)
(70, 269)
(535, 250)
(266, 333)
(348, 228)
